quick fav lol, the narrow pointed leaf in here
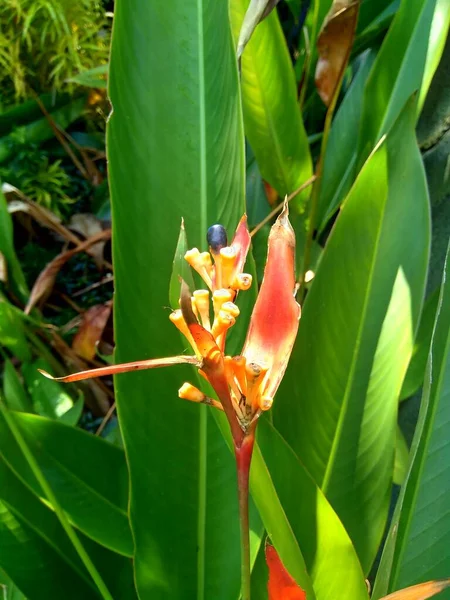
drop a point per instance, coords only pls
(397, 73)
(181, 148)
(91, 484)
(359, 320)
(15, 275)
(180, 269)
(339, 163)
(417, 366)
(38, 556)
(273, 122)
(417, 547)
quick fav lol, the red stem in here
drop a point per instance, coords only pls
(243, 452)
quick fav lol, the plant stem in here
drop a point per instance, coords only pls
(243, 453)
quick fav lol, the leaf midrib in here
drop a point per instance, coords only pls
(202, 442)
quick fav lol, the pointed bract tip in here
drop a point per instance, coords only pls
(45, 374)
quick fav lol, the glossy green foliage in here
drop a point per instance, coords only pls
(417, 548)
(403, 66)
(176, 149)
(273, 122)
(94, 497)
(356, 337)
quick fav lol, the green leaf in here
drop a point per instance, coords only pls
(50, 398)
(437, 39)
(37, 555)
(337, 405)
(93, 78)
(15, 395)
(401, 458)
(180, 269)
(329, 555)
(416, 368)
(339, 163)
(16, 279)
(12, 331)
(181, 149)
(397, 73)
(88, 476)
(272, 118)
(417, 547)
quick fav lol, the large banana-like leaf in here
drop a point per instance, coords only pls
(176, 149)
(417, 547)
(273, 122)
(337, 405)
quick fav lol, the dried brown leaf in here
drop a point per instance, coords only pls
(91, 329)
(334, 45)
(421, 591)
(46, 280)
(88, 225)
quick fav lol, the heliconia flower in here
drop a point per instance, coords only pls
(245, 384)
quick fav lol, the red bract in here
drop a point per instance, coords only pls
(281, 585)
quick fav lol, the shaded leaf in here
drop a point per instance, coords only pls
(90, 484)
(401, 458)
(15, 395)
(417, 366)
(40, 130)
(91, 329)
(281, 586)
(38, 556)
(339, 162)
(12, 330)
(14, 270)
(334, 44)
(417, 545)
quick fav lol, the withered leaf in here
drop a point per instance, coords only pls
(46, 280)
(91, 329)
(334, 45)
(422, 591)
